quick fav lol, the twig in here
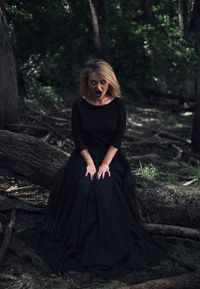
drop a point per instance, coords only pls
(23, 194)
(46, 137)
(13, 190)
(191, 182)
(179, 152)
(7, 236)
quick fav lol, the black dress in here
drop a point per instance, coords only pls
(91, 226)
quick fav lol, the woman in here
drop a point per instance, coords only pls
(90, 225)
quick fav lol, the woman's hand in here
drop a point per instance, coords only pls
(90, 170)
(103, 169)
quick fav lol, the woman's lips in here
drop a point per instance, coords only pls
(98, 93)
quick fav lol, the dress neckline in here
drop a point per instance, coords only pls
(96, 105)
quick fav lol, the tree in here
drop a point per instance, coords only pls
(196, 124)
(183, 17)
(8, 78)
(99, 23)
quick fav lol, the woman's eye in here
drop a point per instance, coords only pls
(103, 81)
(93, 82)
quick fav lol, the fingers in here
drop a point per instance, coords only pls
(90, 174)
(109, 174)
(90, 171)
(102, 174)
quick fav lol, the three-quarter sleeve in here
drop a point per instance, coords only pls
(77, 132)
(121, 126)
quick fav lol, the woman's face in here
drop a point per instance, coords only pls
(98, 85)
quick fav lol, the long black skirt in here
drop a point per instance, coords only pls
(92, 226)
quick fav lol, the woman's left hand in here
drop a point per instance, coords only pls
(103, 169)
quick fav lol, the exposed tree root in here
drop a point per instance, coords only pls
(7, 204)
(172, 230)
(7, 236)
(184, 281)
(27, 254)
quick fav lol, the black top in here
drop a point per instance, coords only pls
(98, 125)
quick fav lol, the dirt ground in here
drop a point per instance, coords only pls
(160, 136)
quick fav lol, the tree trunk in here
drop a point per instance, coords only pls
(98, 11)
(196, 131)
(183, 17)
(8, 79)
(148, 9)
(196, 123)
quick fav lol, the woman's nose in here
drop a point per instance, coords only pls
(99, 85)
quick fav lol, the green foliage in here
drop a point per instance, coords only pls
(52, 40)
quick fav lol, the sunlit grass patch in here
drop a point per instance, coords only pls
(153, 172)
(149, 171)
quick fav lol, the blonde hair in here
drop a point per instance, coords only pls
(104, 69)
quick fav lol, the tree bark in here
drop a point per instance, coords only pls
(183, 17)
(28, 158)
(99, 22)
(163, 205)
(148, 9)
(196, 123)
(8, 78)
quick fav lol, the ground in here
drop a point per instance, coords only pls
(157, 144)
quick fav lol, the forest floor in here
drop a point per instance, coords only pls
(157, 144)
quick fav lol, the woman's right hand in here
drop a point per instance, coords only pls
(90, 170)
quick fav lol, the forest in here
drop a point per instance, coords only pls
(154, 47)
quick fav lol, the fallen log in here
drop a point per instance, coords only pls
(167, 204)
(26, 157)
(184, 281)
